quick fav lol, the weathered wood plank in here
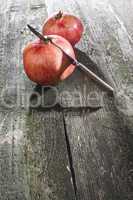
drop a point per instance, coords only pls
(34, 162)
(123, 13)
(102, 155)
(105, 42)
(47, 165)
(33, 157)
(112, 51)
(100, 142)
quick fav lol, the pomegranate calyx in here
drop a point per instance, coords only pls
(59, 15)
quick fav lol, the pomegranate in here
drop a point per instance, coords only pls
(65, 25)
(46, 64)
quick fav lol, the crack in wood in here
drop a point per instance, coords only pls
(70, 158)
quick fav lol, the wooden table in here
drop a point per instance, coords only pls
(81, 148)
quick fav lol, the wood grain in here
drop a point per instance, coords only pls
(100, 141)
(101, 149)
(34, 163)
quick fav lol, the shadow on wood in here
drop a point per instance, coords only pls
(87, 61)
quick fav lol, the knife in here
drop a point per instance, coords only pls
(74, 61)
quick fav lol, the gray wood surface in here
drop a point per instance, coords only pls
(34, 162)
(82, 147)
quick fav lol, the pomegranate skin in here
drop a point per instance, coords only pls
(45, 64)
(66, 25)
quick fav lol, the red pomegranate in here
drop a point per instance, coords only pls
(45, 64)
(65, 25)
